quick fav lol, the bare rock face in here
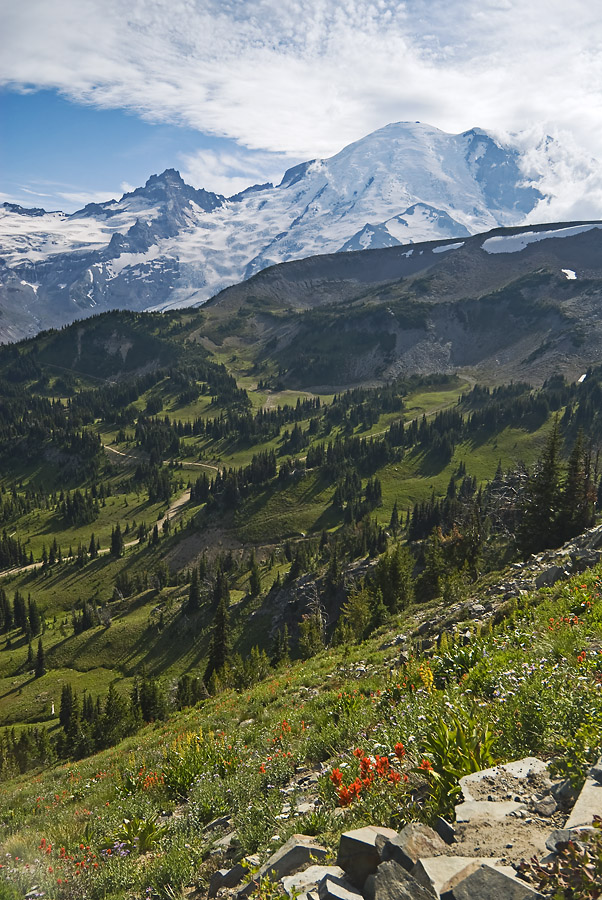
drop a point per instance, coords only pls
(488, 883)
(298, 851)
(358, 853)
(392, 882)
(413, 842)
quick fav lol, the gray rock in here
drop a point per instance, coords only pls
(443, 872)
(550, 576)
(588, 803)
(558, 839)
(487, 883)
(547, 806)
(226, 844)
(358, 854)
(226, 878)
(222, 822)
(445, 831)
(564, 793)
(413, 841)
(392, 882)
(298, 851)
(519, 768)
(331, 888)
(497, 810)
(309, 879)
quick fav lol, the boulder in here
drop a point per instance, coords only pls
(445, 830)
(309, 879)
(358, 854)
(413, 842)
(559, 839)
(392, 882)
(546, 806)
(331, 888)
(519, 768)
(564, 793)
(226, 878)
(227, 844)
(589, 802)
(298, 851)
(550, 576)
(487, 883)
(442, 873)
(492, 810)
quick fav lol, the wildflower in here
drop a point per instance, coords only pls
(399, 750)
(358, 752)
(336, 776)
(426, 766)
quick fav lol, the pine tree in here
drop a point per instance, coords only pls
(40, 661)
(577, 499)
(219, 647)
(30, 660)
(394, 521)
(193, 604)
(35, 621)
(116, 542)
(430, 581)
(540, 508)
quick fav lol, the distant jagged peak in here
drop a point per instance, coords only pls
(24, 210)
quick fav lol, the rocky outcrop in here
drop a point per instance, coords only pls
(376, 863)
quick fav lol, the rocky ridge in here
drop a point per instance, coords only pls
(478, 858)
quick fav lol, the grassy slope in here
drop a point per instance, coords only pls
(342, 698)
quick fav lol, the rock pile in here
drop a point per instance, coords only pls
(508, 813)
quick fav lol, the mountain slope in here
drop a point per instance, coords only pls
(512, 303)
(168, 245)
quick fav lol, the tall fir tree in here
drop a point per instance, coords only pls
(219, 647)
(539, 528)
(193, 604)
(40, 661)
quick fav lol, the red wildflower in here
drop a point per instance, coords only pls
(399, 750)
(365, 766)
(336, 776)
(358, 752)
(426, 766)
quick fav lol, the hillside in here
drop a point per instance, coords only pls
(195, 536)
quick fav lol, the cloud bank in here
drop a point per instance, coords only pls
(303, 78)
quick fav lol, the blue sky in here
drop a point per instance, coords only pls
(96, 95)
(59, 154)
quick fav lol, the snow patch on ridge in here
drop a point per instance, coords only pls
(514, 243)
(447, 247)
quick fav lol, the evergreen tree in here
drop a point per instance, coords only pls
(219, 646)
(30, 660)
(355, 618)
(40, 661)
(35, 621)
(193, 604)
(430, 582)
(116, 541)
(394, 521)
(539, 528)
(66, 707)
(577, 499)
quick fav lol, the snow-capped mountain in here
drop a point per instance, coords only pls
(169, 245)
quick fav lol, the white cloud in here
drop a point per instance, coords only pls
(229, 173)
(305, 77)
(81, 198)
